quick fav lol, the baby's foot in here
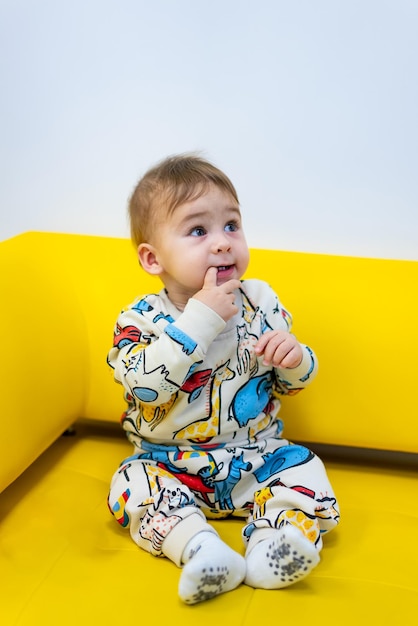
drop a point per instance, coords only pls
(280, 560)
(211, 568)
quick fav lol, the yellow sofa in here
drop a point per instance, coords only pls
(64, 560)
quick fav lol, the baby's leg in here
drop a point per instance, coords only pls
(210, 566)
(282, 558)
(284, 536)
(162, 518)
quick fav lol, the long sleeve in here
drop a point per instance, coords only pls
(190, 377)
(153, 354)
(293, 380)
(289, 381)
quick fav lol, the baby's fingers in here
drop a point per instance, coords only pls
(210, 278)
(279, 349)
(230, 286)
(274, 351)
(261, 343)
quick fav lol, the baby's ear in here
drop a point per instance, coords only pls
(147, 256)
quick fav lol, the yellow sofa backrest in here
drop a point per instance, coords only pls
(61, 295)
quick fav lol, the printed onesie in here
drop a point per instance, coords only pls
(202, 416)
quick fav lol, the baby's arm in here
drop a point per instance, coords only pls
(295, 364)
(159, 354)
(162, 354)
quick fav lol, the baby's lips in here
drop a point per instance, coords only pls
(225, 270)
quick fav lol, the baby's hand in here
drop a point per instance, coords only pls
(280, 349)
(219, 298)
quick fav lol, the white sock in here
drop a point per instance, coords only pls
(281, 559)
(210, 568)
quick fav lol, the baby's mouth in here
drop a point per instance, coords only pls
(225, 272)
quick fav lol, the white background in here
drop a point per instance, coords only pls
(309, 106)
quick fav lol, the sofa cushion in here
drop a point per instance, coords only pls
(66, 560)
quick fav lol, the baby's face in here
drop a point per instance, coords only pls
(203, 233)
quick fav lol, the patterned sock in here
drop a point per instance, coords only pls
(283, 558)
(210, 568)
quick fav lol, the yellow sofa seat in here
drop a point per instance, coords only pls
(62, 556)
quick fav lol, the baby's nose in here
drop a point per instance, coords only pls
(222, 244)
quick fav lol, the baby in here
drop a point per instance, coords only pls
(203, 364)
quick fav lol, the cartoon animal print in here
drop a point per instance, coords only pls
(251, 399)
(155, 477)
(249, 310)
(155, 527)
(158, 520)
(203, 430)
(307, 524)
(187, 344)
(154, 415)
(124, 336)
(161, 316)
(326, 509)
(281, 459)
(142, 306)
(223, 488)
(196, 483)
(195, 383)
(133, 357)
(137, 360)
(261, 497)
(247, 359)
(262, 424)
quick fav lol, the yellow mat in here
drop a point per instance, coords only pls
(64, 560)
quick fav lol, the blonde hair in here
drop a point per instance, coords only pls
(174, 181)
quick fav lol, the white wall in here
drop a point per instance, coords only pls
(310, 107)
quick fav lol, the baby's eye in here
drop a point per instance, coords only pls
(231, 227)
(198, 231)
